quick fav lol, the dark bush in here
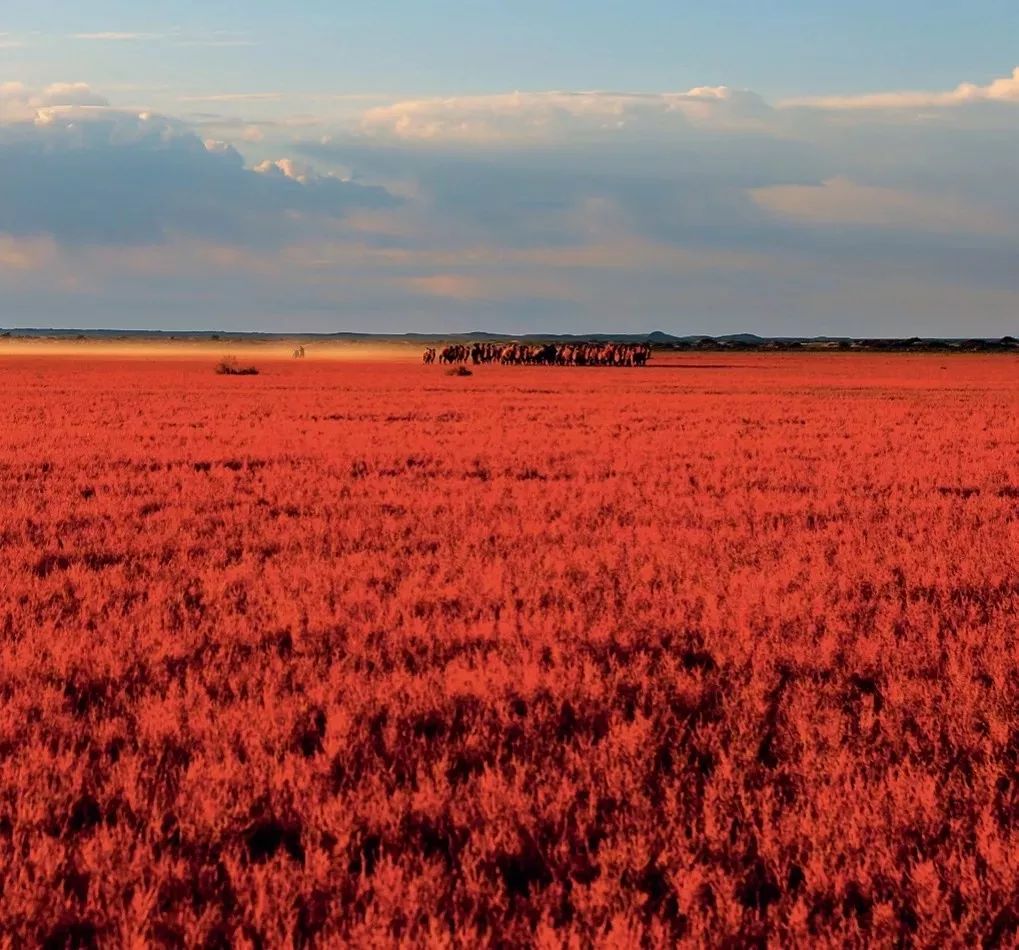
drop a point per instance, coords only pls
(228, 366)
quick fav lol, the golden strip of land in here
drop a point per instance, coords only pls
(243, 349)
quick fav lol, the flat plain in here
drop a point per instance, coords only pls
(722, 648)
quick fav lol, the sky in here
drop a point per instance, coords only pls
(792, 167)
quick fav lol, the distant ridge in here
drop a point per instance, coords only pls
(659, 339)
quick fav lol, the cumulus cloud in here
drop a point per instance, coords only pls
(698, 187)
(709, 209)
(288, 168)
(82, 172)
(711, 164)
(18, 102)
(527, 118)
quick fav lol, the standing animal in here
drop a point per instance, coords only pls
(547, 354)
(455, 353)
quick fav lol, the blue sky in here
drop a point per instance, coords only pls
(785, 167)
(448, 47)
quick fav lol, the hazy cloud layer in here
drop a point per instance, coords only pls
(171, 38)
(709, 209)
(1004, 89)
(518, 117)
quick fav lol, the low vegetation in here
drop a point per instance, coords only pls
(228, 366)
(723, 653)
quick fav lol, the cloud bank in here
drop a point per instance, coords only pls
(81, 172)
(709, 209)
(527, 117)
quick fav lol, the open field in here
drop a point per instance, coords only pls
(133, 347)
(355, 651)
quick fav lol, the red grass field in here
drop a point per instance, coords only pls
(351, 652)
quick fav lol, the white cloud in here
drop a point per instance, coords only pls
(19, 103)
(1005, 89)
(539, 117)
(287, 168)
(557, 115)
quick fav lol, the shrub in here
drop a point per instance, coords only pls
(459, 371)
(228, 366)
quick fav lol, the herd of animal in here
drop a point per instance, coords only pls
(541, 354)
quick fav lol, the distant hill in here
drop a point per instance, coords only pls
(657, 338)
